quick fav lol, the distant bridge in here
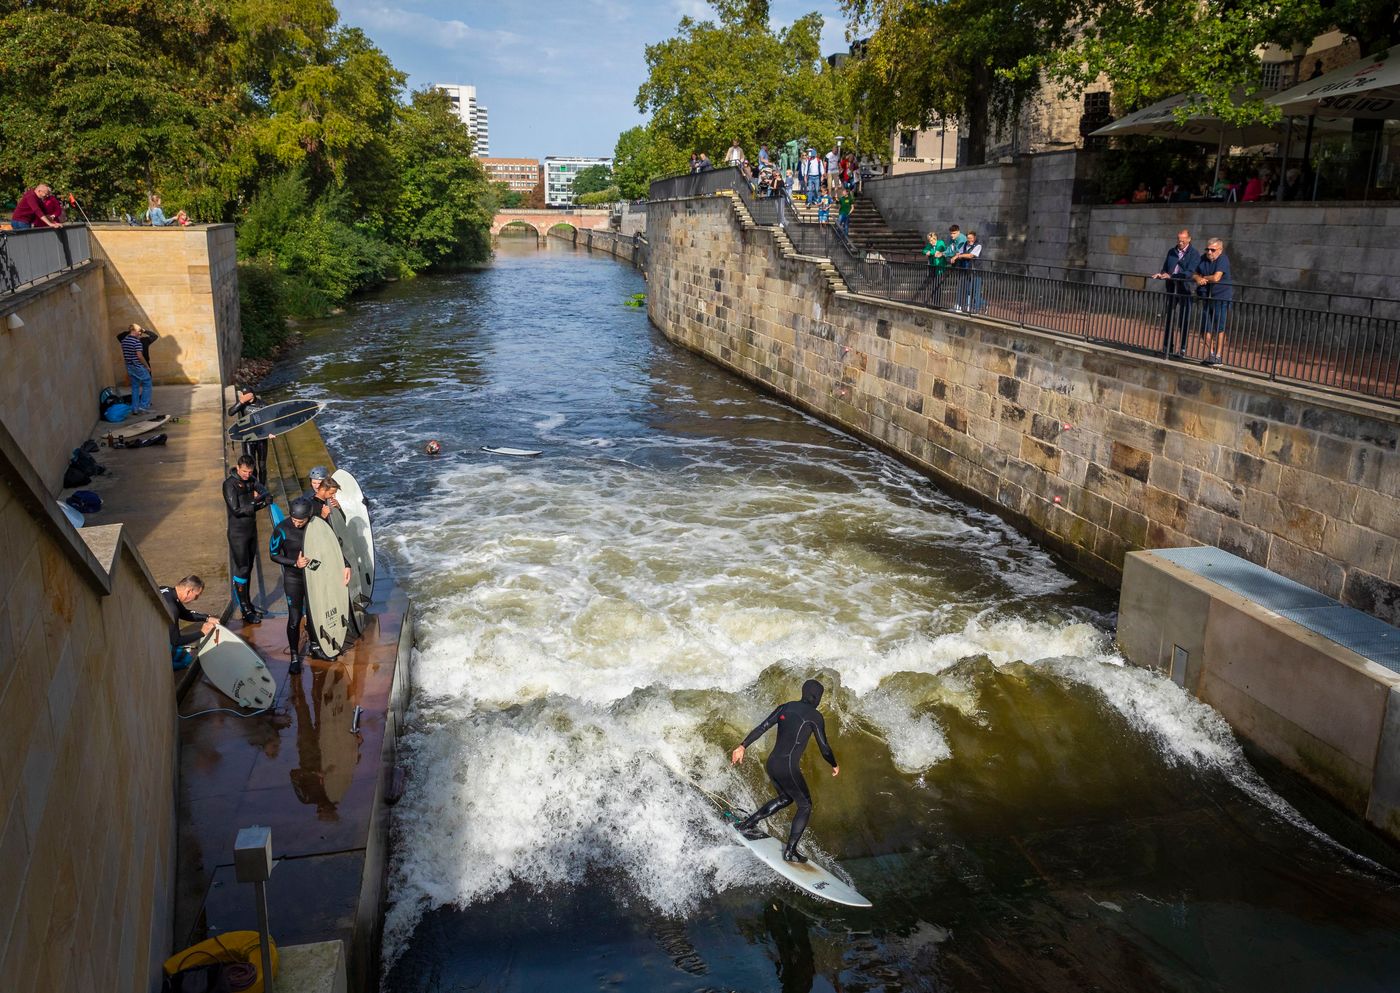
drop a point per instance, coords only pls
(542, 221)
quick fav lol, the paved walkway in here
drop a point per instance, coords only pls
(169, 496)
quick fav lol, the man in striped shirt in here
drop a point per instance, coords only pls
(138, 370)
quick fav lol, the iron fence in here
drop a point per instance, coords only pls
(1336, 341)
(28, 256)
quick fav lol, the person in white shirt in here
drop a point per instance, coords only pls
(735, 155)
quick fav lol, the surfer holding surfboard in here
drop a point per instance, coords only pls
(797, 722)
(286, 547)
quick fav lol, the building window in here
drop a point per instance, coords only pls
(1271, 75)
(1096, 105)
(906, 144)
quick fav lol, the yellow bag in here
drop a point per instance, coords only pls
(232, 947)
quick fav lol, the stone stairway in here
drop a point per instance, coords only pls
(869, 231)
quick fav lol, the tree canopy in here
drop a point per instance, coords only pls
(268, 112)
(591, 179)
(736, 77)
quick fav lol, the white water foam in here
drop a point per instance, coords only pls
(578, 633)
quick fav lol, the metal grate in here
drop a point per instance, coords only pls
(1356, 631)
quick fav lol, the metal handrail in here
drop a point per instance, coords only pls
(31, 255)
(1347, 352)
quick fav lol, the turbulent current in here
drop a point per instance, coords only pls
(600, 625)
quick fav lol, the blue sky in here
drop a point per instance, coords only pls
(559, 78)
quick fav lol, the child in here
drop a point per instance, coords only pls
(824, 207)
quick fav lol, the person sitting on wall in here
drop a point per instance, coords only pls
(1142, 194)
(30, 212)
(155, 215)
(176, 598)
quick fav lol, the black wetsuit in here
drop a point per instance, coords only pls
(257, 449)
(288, 541)
(179, 612)
(243, 498)
(796, 723)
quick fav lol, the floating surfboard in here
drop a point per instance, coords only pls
(359, 587)
(275, 418)
(74, 515)
(523, 453)
(141, 427)
(808, 876)
(328, 601)
(236, 670)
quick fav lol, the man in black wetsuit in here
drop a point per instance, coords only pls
(322, 493)
(796, 722)
(176, 598)
(244, 496)
(243, 409)
(288, 542)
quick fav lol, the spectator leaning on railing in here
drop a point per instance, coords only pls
(1178, 269)
(31, 212)
(1213, 280)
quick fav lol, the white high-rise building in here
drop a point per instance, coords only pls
(473, 114)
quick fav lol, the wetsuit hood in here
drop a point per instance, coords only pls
(812, 692)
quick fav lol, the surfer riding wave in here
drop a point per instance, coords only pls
(796, 722)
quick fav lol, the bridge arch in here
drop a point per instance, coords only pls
(543, 221)
(516, 223)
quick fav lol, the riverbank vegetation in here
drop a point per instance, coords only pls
(271, 115)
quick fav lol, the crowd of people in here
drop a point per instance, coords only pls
(827, 182)
(1259, 186)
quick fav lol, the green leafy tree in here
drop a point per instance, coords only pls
(505, 197)
(1156, 48)
(735, 77)
(591, 179)
(640, 157)
(442, 211)
(609, 195)
(954, 59)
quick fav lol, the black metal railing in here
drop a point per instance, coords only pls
(31, 255)
(1337, 341)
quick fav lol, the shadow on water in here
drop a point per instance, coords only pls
(1025, 812)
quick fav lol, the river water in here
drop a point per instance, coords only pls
(603, 623)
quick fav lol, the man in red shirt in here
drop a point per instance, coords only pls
(30, 212)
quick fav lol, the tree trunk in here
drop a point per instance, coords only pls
(975, 113)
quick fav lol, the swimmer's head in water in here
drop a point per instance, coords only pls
(432, 447)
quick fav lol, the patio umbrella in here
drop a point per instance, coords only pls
(1365, 88)
(1160, 119)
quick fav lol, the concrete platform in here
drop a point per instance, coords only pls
(169, 496)
(1311, 683)
(307, 769)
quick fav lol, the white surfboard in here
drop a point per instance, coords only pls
(808, 876)
(328, 601)
(361, 573)
(134, 428)
(357, 516)
(236, 670)
(522, 453)
(349, 486)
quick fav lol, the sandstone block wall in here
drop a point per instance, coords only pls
(87, 752)
(181, 283)
(52, 369)
(1095, 451)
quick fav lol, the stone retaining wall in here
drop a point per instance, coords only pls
(181, 283)
(1095, 451)
(87, 751)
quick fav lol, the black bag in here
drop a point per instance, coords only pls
(73, 476)
(81, 468)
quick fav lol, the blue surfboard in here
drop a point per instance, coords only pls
(275, 512)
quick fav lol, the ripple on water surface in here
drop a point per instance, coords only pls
(602, 623)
